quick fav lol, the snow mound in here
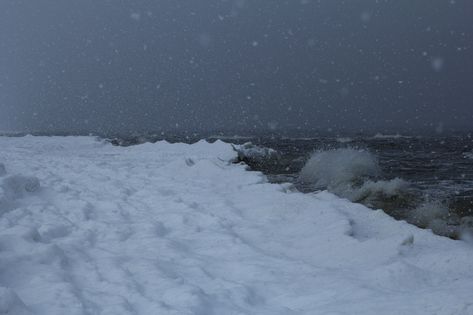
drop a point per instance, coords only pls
(179, 229)
(256, 156)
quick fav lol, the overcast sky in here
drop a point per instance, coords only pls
(358, 65)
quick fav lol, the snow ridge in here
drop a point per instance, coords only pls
(89, 228)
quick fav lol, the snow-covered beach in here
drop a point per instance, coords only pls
(90, 228)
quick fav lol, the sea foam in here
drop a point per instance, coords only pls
(353, 174)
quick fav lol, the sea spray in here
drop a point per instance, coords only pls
(356, 175)
(339, 169)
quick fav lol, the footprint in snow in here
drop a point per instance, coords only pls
(160, 229)
(3, 170)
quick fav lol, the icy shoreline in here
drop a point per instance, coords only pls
(178, 229)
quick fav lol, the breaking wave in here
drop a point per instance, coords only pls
(344, 139)
(336, 169)
(350, 173)
(394, 136)
(353, 174)
(441, 218)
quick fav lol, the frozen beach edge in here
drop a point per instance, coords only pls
(178, 229)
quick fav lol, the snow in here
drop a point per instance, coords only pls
(89, 228)
(249, 150)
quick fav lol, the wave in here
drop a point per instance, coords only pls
(344, 139)
(381, 189)
(394, 136)
(234, 137)
(439, 217)
(339, 169)
(468, 155)
(300, 138)
(355, 175)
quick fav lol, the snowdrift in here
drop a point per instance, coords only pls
(90, 228)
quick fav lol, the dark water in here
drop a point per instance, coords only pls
(437, 166)
(438, 170)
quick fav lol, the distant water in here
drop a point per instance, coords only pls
(437, 166)
(427, 181)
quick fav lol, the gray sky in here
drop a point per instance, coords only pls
(118, 65)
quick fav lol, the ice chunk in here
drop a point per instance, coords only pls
(252, 151)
